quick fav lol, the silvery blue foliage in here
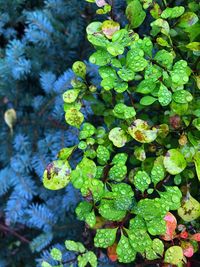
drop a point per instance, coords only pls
(39, 40)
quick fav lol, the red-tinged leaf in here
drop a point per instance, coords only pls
(196, 237)
(111, 251)
(171, 224)
(184, 235)
(101, 3)
(188, 249)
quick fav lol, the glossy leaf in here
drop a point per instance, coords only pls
(174, 161)
(164, 95)
(172, 13)
(135, 13)
(141, 131)
(147, 100)
(71, 95)
(66, 152)
(109, 27)
(118, 137)
(174, 255)
(79, 69)
(105, 237)
(57, 175)
(74, 117)
(125, 251)
(171, 225)
(190, 209)
(74, 246)
(182, 96)
(158, 246)
(188, 249)
(187, 20)
(56, 254)
(142, 181)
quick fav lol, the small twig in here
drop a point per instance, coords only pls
(46, 106)
(164, 3)
(12, 232)
(131, 98)
(158, 64)
(69, 261)
(112, 11)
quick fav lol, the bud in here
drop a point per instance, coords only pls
(152, 148)
(183, 140)
(92, 88)
(175, 121)
(10, 118)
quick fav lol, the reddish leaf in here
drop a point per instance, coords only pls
(101, 3)
(111, 251)
(184, 234)
(171, 224)
(188, 249)
(196, 237)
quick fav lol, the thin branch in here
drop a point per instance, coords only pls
(13, 232)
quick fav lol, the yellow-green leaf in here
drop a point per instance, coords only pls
(57, 175)
(190, 209)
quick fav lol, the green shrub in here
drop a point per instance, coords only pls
(140, 161)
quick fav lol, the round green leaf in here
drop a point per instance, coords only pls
(124, 112)
(158, 246)
(79, 68)
(188, 19)
(87, 130)
(146, 86)
(103, 153)
(182, 96)
(94, 27)
(174, 255)
(142, 181)
(121, 87)
(108, 210)
(115, 49)
(147, 100)
(164, 95)
(139, 240)
(100, 57)
(74, 246)
(71, 95)
(125, 251)
(126, 74)
(158, 171)
(56, 254)
(118, 137)
(74, 117)
(174, 161)
(164, 58)
(118, 172)
(135, 13)
(105, 237)
(173, 12)
(57, 175)
(109, 27)
(190, 209)
(120, 158)
(171, 198)
(140, 131)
